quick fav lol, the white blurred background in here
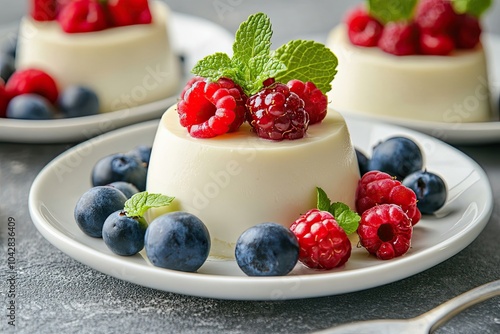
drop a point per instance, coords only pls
(296, 18)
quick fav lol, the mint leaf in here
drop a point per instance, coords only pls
(392, 10)
(214, 66)
(253, 38)
(473, 7)
(259, 68)
(307, 61)
(253, 62)
(139, 203)
(323, 202)
(347, 219)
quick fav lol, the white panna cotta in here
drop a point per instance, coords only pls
(452, 89)
(126, 66)
(235, 181)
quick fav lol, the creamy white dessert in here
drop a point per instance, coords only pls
(125, 66)
(237, 180)
(452, 88)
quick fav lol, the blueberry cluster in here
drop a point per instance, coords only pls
(176, 240)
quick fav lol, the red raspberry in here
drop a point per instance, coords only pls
(439, 44)
(323, 243)
(32, 81)
(43, 10)
(436, 16)
(376, 188)
(276, 113)
(400, 39)
(362, 29)
(82, 16)
(208, 109)
(129, 12)
(61, 4)
(468, 32)
(315, 102)
(385, 231)
(4, 99)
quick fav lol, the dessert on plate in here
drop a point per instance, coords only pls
(416, 60)
(120, 49)
(252, 138)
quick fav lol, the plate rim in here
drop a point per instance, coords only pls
(80, 251)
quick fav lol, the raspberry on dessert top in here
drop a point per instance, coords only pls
(279, 93)
(410, 27)
(80, 16)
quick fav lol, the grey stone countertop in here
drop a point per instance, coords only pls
(56, 294)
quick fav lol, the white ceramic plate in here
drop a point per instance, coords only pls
(191, 37)
(59, 185)
(457, 133)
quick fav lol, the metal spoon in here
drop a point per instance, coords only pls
(425, 323)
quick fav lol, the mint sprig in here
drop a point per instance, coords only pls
(345, 217)
(138, 204)
(253, 61)
(392, 10)
(473, 7)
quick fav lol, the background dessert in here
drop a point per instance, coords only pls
(412, 65)
(125, 65)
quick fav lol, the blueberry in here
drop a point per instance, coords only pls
(29, 106)
(119, 167)
(177, 241)
(128, 189)
(430, 189)
(397, 156)
(124, 235)
(76, 101)
(267, 249)
(362, 162)
(143, 152)
(95, 206)
(7, 66)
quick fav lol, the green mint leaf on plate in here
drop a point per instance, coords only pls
(139, 203)
(347, 219)
(307, 61)
(392, 10)
(473, 7)
(323, 202)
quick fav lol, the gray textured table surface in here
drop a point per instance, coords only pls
(56, 294)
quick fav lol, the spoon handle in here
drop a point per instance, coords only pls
(444, 312)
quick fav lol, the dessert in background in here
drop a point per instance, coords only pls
(416, 60)
(117, 49)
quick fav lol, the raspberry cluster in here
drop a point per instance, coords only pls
(377, 188)
(82, 16)
(436, 29)
(278, 111)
